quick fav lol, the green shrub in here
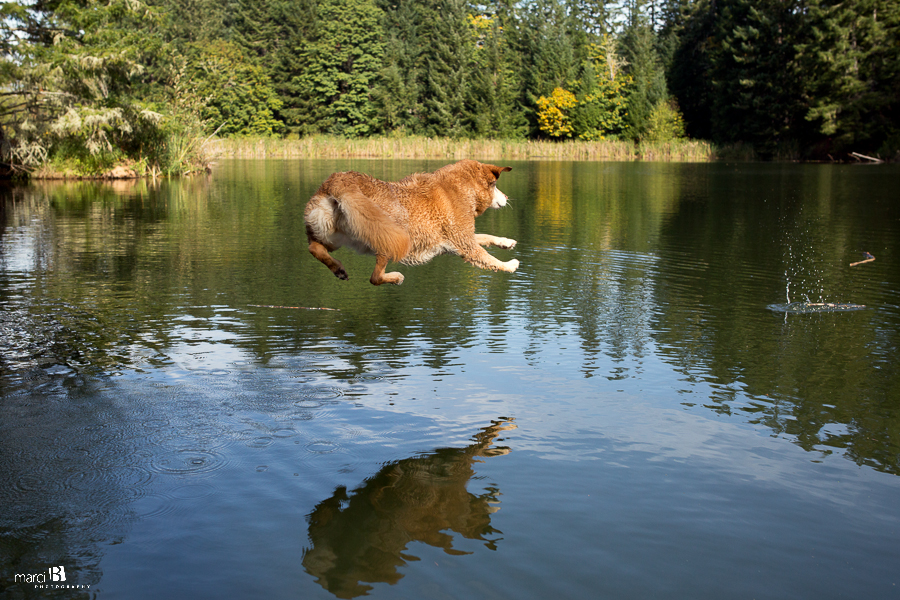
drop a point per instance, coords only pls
(665, 123)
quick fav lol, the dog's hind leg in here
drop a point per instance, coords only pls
(483, 239)
(379, 276)
(319, 250)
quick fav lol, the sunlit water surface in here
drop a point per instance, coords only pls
(649, 407)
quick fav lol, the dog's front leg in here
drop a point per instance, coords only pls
(379, 276)
(484, 239)
(479, 257)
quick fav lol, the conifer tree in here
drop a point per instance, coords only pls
(644, 65)
(287, 65)
(189, 21)
(494, 90)
(547, 53)
(850, 61)
(397, 93)
(257, 26)
(690, 72)
(735, 73)
(71, 76)
(445, 61)
(755, 76)
(603, 91)
(340, 65)
(592, 17)
(239, 99)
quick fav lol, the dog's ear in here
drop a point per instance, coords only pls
(497, 170)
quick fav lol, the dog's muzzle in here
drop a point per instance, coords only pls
(499, 199)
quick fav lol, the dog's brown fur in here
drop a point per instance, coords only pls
(409, 221)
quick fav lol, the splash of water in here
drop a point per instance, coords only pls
(801, 308)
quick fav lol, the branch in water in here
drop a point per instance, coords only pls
(869, 258)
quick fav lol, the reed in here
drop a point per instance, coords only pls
(677, 151)
(417, 147)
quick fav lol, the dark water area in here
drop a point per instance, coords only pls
(684, 391)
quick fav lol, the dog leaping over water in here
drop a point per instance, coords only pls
(409, 221)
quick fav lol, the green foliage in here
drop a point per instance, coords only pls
(547, 49)
(756, 74)
(255, 26)
(638, 46)
(850, 56)
(820, 75)
(445, 75)
(396, 95)
(602, 110)
(689, 74)
(73, 79)
(287, 65)
(494, 88)
(188, 21)
(665, 123)
(599, 110)
(340, 65)
(736, 72)
(86, 82)
(237, 97)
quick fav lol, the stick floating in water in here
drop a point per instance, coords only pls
(869, 258)
(292, 307)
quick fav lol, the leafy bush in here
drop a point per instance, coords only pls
(665, 122)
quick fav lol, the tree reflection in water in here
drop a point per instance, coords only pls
(362, 536)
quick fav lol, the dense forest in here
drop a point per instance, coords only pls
(149, 80)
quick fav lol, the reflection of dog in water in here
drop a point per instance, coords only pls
(361, 537)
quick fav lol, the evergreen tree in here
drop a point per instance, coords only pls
(850, 59)
(755, 74)
(257, 26)
(70, 79)
(494, 90)
(547, 53)
(735, 72)
(340, 65)
(598, 110)
(592, 17)
(690, 72)
(287, 65)
(603, 91)
(396, 95)
(644, 65)
(445, 61)
(189, 21)
(238, 97)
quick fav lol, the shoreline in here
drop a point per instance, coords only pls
(391, 148)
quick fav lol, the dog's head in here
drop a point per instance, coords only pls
(475, 182)
(493, 198)
(499, 199)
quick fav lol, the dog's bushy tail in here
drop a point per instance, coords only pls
(369, 223)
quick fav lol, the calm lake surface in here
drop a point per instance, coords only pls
(671, 397)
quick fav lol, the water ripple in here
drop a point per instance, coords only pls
(187, 461)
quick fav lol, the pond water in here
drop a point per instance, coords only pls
(684, 391)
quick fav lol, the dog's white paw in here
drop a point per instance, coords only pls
(506, 243)
(511, 265)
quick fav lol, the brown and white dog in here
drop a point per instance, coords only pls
(409, 221)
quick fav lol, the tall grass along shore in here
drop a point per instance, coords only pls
(186, 157)
(437, 148)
